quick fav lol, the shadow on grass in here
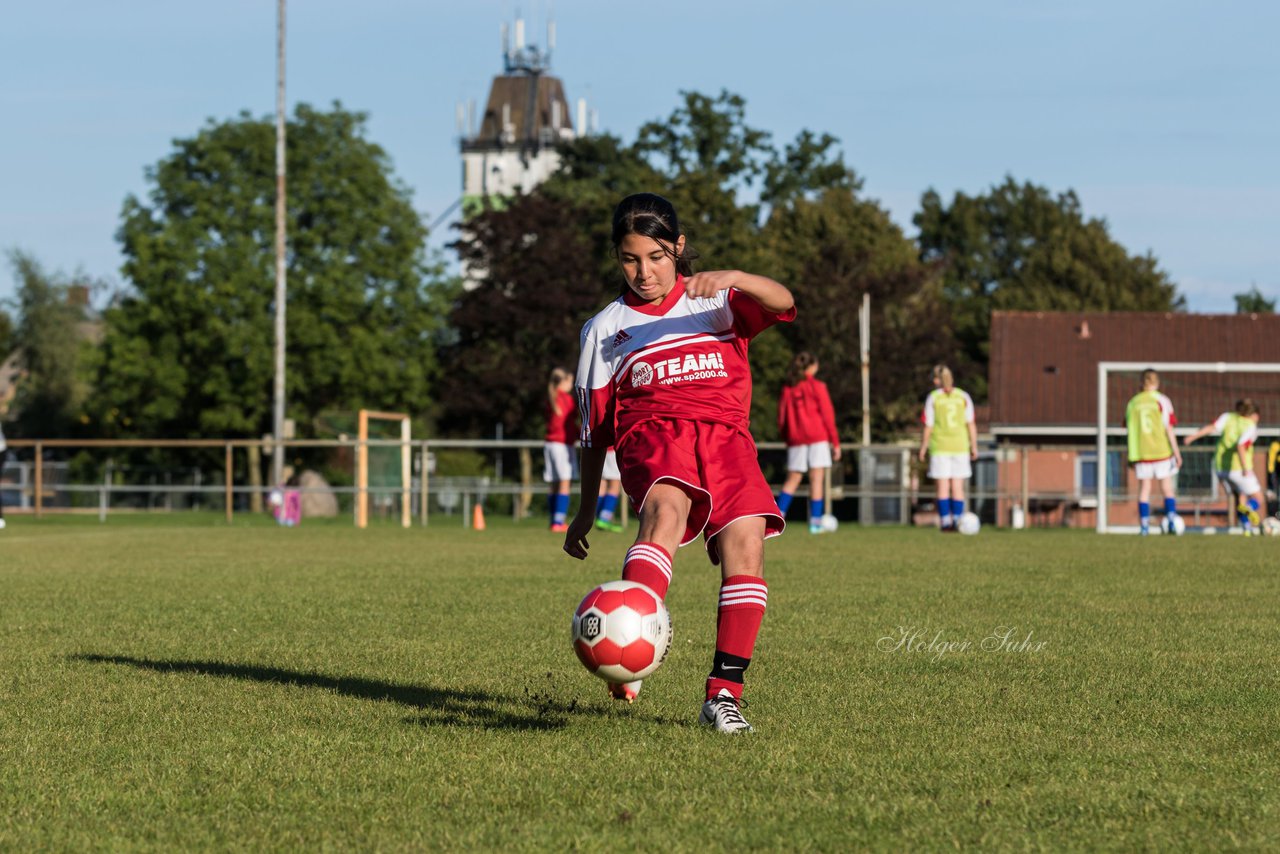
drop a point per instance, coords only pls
(438, 706)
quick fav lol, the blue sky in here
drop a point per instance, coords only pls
(1163, 116)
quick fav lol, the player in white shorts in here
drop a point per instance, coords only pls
(1153, 450)
(807, 423)
(1233, 459)
(560, 467)
(951, 442)
(610, 492)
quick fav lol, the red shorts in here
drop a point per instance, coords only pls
(715, 465)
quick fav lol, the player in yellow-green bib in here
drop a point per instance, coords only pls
(1233, 459)
(1153, 450)
(951, 442)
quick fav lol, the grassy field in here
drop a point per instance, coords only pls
(174, 683)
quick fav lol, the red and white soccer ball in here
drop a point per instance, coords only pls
(621, 631)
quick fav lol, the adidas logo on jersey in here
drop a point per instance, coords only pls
(620, 337)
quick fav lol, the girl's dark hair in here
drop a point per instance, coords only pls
(650, 215)
(800, 364)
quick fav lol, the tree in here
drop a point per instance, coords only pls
(8, 334)
(807, 167)
(56, 353)
(1253, 302)
(189, 351)
(707, 153)
(1019, 248)
(538, 284)
(832, 250)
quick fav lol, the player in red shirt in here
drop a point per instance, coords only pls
(807, 423)
(664, 378)
(559, 466)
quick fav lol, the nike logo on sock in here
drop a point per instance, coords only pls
(728, 667)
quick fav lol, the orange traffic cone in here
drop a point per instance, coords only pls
(477, 518)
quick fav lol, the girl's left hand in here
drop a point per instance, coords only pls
(701, 285)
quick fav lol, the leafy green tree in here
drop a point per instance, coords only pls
(189, 350)
(805, 169)
(1253, 302)
(832, 250)
(1018, 247)
(56, 346)
(7, 334)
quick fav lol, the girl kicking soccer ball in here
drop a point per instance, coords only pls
(663, 377)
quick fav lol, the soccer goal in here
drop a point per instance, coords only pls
(1200, 391)
(363, 468)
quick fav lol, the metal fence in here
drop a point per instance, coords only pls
(1018, 485)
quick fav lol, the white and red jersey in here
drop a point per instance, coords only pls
(805, 414)
(562, 421)
(680, 359)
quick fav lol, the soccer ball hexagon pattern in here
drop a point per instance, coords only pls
(621, 631)
(969, 524)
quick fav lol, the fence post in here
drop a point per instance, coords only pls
(406, 474)
(424, 480)
(362, 472)
(39, 479)
(1026, 485)
(104, 493)
(229, 483)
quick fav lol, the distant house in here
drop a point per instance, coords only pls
(1044, 409)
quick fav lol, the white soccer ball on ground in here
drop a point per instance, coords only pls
(830, 523)
(1173, 524)
(969, 524)
(1271, 526)
(621, 631)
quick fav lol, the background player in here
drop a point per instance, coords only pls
(1153, 450)
(807, 423)
(1233, 459)
(951, 442)
(558, 462)
(611, 488)
(664, 377)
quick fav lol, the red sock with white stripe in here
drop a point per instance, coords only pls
(649, 564)
(742, 602)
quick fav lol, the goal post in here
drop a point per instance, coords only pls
(362, 466)
(1254, 386)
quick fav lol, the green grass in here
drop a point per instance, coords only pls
(174, 683)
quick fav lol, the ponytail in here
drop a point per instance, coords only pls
(558, 376)
(800, 364)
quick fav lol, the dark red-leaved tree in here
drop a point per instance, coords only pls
(534, 281)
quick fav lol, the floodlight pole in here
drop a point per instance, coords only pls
(277, 421)
(864, 345)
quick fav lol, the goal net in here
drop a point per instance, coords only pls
(1200, 392)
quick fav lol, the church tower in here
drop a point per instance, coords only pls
(513, 149)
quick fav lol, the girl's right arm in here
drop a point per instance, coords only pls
(591, 464)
